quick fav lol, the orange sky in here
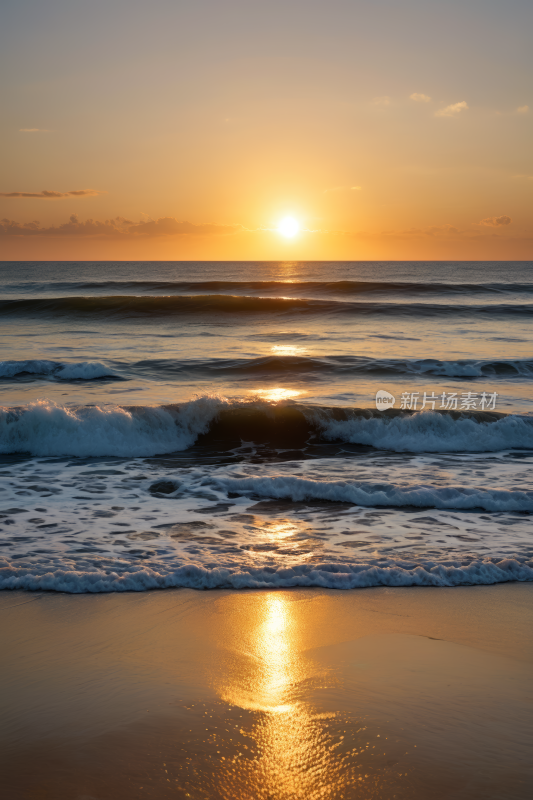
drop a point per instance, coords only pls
(187, 130)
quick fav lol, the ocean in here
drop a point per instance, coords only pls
(214, 424)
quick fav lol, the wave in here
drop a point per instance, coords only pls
(318, 288)
(362, 493)
(131, 307)
(312, 368)
(269, 366)
(46, 429)
(432, 432)
(81, 371)
(463, 368)
(374, 572)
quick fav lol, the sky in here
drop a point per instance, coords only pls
(189, 129)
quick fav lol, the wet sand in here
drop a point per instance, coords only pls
(407, 693)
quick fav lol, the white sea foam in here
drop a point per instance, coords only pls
(378, 494)
(431, 432)
(84, 370)
(69, 525)
(377, 572)
(46, 429)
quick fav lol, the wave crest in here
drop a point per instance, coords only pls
(378, 494)
(337, 365)
(241, 306)
(81, 371)
(46, 429)
(433, 432)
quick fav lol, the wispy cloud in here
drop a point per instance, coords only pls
(117, 227)
(169, 226)
(337, 189)
(420, 98)
(523, 109)
(49, 195)
(34, 130)
(452, 110)
(445, 231)
(486, 230)
(495, 222)
(381, 101)
(431, 231)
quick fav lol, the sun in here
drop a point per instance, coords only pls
(289, 227)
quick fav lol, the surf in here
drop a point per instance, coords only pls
(44, 428)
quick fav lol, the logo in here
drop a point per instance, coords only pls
(449, 401)
(384, 400)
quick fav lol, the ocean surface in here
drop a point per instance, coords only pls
(214, 424)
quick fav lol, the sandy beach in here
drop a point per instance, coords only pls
(380, 693)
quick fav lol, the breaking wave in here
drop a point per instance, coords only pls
(377, 494)
(433, 432)
(82, 371)
(46, 429)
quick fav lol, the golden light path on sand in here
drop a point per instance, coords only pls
(294, 755)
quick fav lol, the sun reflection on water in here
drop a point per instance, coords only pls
(288, 350)
(276, 393)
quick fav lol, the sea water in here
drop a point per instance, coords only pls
(214, 424)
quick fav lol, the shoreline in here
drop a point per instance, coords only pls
(393, 573)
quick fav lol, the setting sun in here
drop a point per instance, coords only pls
(289, 227)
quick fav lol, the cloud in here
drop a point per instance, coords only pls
(381, 101)
(49, 195)
(336, 189)
(523, 109)
(420, 98)
(495, 222)
(432, 231)
(34, 130)
(116, 227)
(452, 110)
(445, 231)
(442, 232)
(84, 193)
(169, 226)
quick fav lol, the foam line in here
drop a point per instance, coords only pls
(330, 576)
(377, 494)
